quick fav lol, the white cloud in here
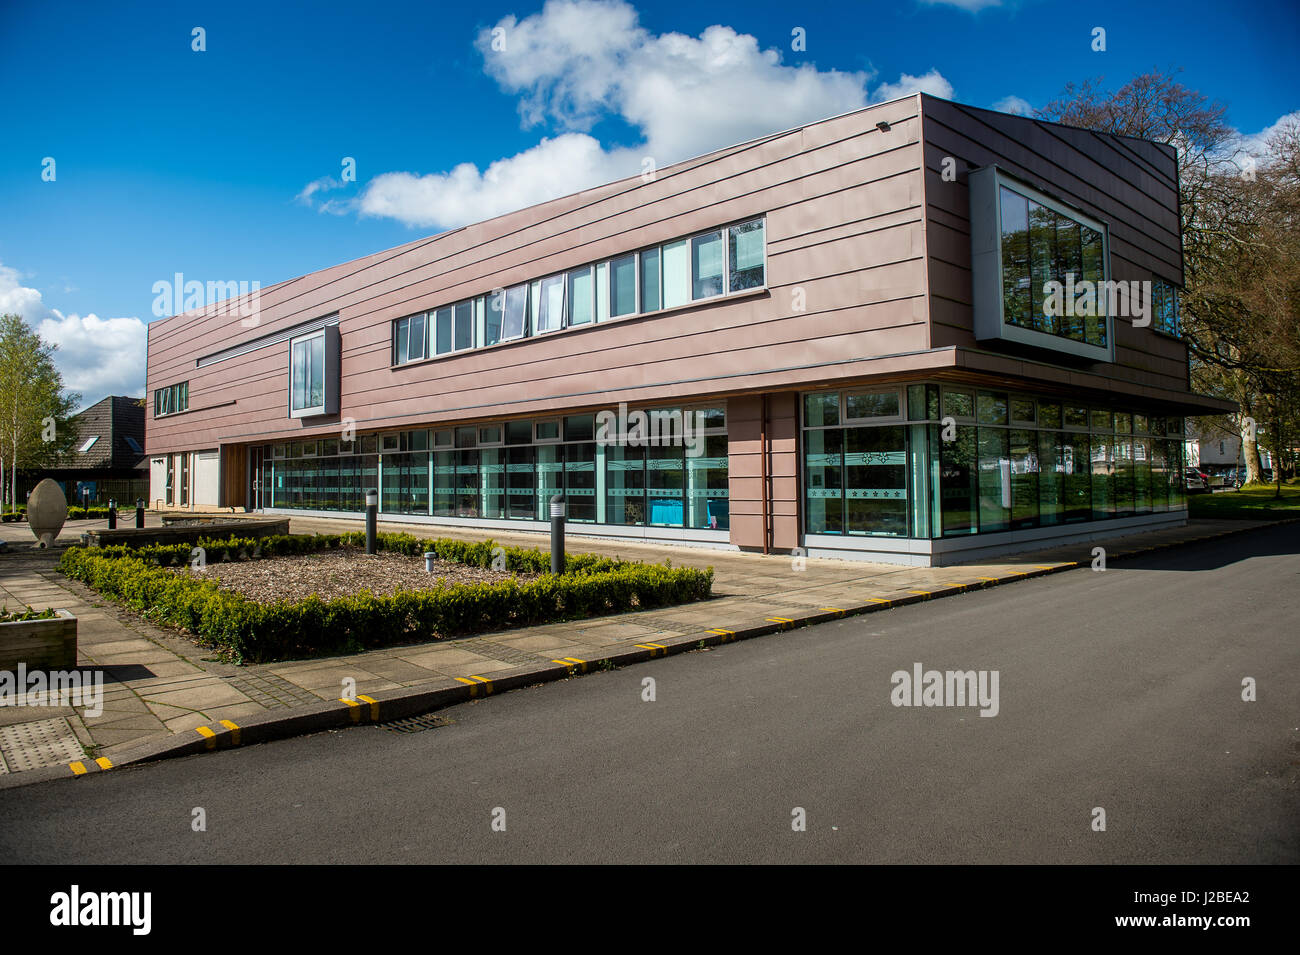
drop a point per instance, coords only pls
(1014, 104)
(932, 83)
(1256, 144)
(581, 61)
(96, 356)
(17, 299)
(336, 207)
(972, 6)
(554, 167)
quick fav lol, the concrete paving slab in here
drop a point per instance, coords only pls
(198, 697)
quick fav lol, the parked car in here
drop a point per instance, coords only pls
(1196, 480)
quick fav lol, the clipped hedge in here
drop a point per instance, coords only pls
(473, 553)
(246, 631)
(75, 513)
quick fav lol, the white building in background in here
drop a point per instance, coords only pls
(1216, 449)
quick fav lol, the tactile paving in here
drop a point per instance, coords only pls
(39, 743)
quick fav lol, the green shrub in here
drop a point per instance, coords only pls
(29, 614)
(472, 553)
(246, 631)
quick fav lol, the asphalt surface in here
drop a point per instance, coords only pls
(1120, 690)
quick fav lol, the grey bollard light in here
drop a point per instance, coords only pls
(112, 514)
(557, 534)
(139, 512)
(372, 518)
(428, 561)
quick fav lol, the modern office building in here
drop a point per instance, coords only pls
(840, 337)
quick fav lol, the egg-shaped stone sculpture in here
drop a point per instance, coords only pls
(47, 509)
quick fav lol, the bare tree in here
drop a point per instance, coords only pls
(1239, 226)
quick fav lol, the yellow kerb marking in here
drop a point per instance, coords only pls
(720, 632)
(104, 762)
(78, 768)
(879, 600)
(925, 592)
(834, 609)
(353, 707)
(483, 681)
(374, 706)
(780, 619)
(234, 730)
(991, 578)
(207, 734)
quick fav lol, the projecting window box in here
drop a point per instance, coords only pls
(314, 373)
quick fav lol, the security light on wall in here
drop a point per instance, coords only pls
(882, 126)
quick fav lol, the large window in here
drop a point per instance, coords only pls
(494, 312)
(622, 286)
(307, 381)
(314, 373)
(516, 318)
(855, 477)
(409, 339)
(671, 473)
(581, 297)
(1164, 308)
(747, 251)
(715, 263)
(464, 325)
(706, 265)
(1039, 269)
(1041, 246)
(550, 304)
(171, 400)
(927, 461)
(651, 293)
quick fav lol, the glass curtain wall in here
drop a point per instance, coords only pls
(978, 461)
(669, 469)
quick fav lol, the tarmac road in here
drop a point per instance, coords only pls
(1119, 690)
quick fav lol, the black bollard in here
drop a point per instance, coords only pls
(112, 514)
(139, 512)
(557, 534)
(372, 517)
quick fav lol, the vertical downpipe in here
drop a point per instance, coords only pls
(762, 452)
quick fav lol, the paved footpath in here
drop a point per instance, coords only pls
(164, 694)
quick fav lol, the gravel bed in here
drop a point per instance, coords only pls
(342, 573)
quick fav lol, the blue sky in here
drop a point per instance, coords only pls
(225, 164)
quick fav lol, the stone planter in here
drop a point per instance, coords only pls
(40, 644)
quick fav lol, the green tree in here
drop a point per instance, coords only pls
(34, 407)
